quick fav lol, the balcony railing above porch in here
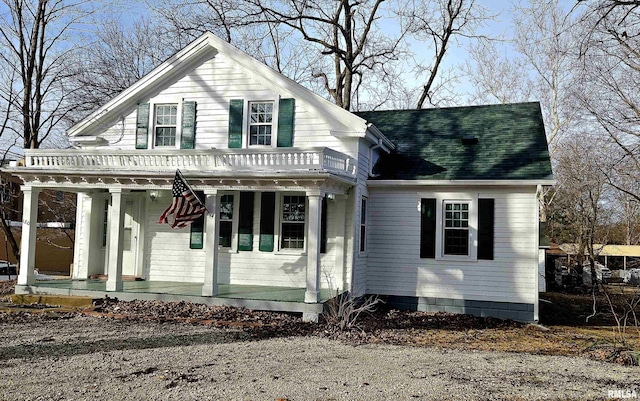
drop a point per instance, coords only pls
(237, 160)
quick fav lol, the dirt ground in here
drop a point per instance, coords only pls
(565, 332)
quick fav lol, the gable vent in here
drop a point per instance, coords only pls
(469, 140)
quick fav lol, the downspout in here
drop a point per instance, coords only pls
(371, 149)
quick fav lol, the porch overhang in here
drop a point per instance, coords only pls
(323, 169)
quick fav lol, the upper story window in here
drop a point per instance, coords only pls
(260, 123)
(166, 120)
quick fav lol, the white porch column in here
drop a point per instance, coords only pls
(83, 250)
(340, 236)
(312, 295)
(28, 242)
(212, 239)
(115, 240)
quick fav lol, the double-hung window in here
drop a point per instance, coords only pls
(166, 120)
(456, 228)
(260, 123)
(293, 222)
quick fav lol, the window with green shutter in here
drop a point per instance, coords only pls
(428, 228)
(196, 237)
(236, 109)
(286, 111)
(188, 132)
(245, 223)
(486, 215)
(267, 221)
(142, 126)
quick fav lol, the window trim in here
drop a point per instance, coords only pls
(460, 197)
(235, 221)
(151, 130)
(445, 228)
(279, 221)
(154, 125)
(246, 123)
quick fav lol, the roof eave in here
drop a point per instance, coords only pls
(415, 183)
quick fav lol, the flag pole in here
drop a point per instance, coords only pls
(192, 191)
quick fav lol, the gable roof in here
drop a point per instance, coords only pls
(200, 50)
(511, 143)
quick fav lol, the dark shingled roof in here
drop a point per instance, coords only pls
(511, 143)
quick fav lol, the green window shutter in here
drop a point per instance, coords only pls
(486, 213)
(323, 226)
(428, 228)
(196, 238)
(245, 224)
(236, 108)
(267, 220)
(188, 133)
(142, 126)
(286, 110)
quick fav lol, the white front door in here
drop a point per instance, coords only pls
(131, 230)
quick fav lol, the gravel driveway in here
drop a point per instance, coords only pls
(84, 358)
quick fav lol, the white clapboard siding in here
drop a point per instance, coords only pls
(394, 266)
(169, 258)
(212, 85)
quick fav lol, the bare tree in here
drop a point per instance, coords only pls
(35, 47)
(119, 56)
(583, 197)
(441, 22)
(611, 74)
(345, 33)
(37, 39)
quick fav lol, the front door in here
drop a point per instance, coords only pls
(131, 231)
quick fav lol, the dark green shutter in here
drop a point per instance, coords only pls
(196, 239)
(486, 212)
(428, 228)
(142, 126)
(236, 108)
(323, 226)
(286, 110)
(245, 224)
(188, 133)
(267, 220)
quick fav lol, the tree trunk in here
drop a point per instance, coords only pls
(15, 248)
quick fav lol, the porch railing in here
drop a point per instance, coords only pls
(192, 160)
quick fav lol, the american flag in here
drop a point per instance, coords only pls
(186, 207)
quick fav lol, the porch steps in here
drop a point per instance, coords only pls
(70, 301)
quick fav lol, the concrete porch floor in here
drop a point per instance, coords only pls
(282, 299)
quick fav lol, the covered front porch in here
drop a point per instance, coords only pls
(263, 244)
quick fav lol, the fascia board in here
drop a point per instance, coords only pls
(456, 183)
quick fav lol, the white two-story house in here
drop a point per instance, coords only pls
(433, 209)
